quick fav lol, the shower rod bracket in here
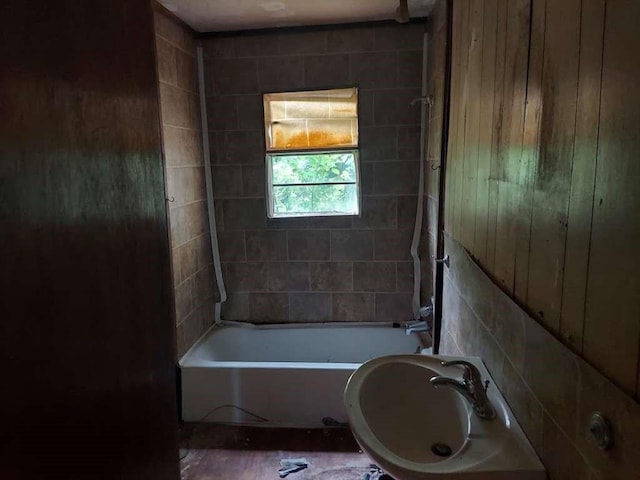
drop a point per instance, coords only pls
(444, 260)
(424, 100)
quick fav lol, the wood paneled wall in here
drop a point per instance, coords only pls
(543, 177)
(86, 338)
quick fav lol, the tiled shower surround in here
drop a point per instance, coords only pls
(317, 269)
(191, 263)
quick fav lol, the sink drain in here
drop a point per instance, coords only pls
(441, 449)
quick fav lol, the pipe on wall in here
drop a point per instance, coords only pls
(213, 233)
(425, 115)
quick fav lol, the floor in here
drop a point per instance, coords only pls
(224, 452)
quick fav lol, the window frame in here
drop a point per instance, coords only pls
(271, 152)
(269, 180)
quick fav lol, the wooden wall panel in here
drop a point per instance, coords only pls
(553, 174)
(86, 338)
(506, 163)
(472, 123)
(496, 123)
(459, 67)
(530, 148)
(585, 148)
(612, 322)
(557, 190)
(485, 128)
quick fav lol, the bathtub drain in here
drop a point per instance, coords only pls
(441, 449)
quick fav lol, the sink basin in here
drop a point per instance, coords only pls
(415, 431)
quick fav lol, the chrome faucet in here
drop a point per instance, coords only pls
(420, 323)
(417, 326)
(471, 388)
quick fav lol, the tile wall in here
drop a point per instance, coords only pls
(322, 269)
(192, 270)
(551, 390)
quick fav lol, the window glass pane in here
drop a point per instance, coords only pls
(332, 167)
(315, 199)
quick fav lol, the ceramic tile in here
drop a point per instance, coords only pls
(250, 112)
(288, 276)
(187, 71)
(561, 459)
(404, 274)
(407, 207)
(280, 74)
(351, 245)
(351, 40)
(255, 45)
(391, 107)
(331, 276)
(552, 372)
(326, 71)
(308, 245)
(246, 277)
(375, 70)
(243, 214)
(227, 181)
(409, 142)
(353, 307)
(222, 112)
(377, 212)
(410, 68)
(236, 308)
(310, 307)
(393, 244)
(524, 405)
(244, 147)
(393, 307)
(399, 37)
(396, 178)
(269, 307)
(309, 42)
(182, 147)
(374, 276)
(166, 58)
(378, 143)
(232, 246)
(597, 394)
(235, 76)
(266, 245)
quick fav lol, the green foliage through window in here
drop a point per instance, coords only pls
(306, 184)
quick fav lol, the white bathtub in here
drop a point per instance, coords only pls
(280, 375)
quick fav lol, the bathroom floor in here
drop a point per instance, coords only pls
(223, 452)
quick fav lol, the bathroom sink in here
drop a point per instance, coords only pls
(416, 431)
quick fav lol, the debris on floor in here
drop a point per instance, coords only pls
(292, 465)
(375, 473)
(332, 422)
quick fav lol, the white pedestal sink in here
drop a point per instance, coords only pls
(415, 431)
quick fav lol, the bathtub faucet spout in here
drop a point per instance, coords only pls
(417, 326)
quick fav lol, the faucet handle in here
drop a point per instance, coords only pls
(471, 372)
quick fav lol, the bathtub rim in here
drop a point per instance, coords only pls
(183, 361)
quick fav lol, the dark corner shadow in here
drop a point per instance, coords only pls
(229, 437)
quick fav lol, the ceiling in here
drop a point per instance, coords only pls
(225, 15)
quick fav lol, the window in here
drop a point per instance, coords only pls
(312, 157)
